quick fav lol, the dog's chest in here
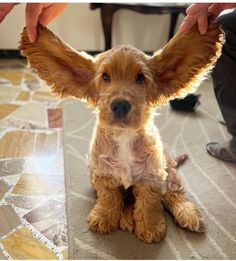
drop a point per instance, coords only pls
(125, 158)
(129, 157)
(125, 151)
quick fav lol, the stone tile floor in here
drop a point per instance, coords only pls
(32, 196)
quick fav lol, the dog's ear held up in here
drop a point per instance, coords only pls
(184, 62)
(66, 71)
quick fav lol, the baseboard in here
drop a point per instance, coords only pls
(10, 54)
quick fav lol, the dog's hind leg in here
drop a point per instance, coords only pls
(176, 202)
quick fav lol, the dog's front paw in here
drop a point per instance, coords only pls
(148, 232)
(102, 223)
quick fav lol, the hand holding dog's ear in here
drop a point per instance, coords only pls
(68, 72)
(35, 13)
(184, 62)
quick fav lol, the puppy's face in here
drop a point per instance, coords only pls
(122, 81)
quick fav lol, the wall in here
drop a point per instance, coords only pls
(81, 28)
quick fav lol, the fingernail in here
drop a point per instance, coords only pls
(202, 31)
(31, 38)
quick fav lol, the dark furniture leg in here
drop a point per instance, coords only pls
(174, 18)
(107, 12)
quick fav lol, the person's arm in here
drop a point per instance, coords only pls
(198, 13)
(35, 13)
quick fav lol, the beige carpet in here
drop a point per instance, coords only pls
(209, 182)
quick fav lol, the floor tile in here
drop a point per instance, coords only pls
(47, 164)
(51, 209)
(65, 253)
(4, 81)
(2, 257)
(44, 96)
(32, 81)
(3, 129)
(22, 245)
(8, 93)
(46, 143)
(59, 104)
(23, 202)
(12, 179)
(12, 63)
(17, 144)
(21, 124)
(55, 118)
(6, 109)
(13, 75)
(8, 220)
(32, 184)
(3, 188)
(32, 112)
(50, 220)
(11, 167)
(23, 96)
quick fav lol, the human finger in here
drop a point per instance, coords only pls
(188, 23)
(203, 23)
(32, 13)
(51, 12)
(197, 9)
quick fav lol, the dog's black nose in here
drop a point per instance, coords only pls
(120, 108)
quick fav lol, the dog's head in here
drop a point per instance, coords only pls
(124, 83)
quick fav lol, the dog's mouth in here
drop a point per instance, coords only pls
(119, 122)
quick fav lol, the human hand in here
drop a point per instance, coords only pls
(198, 13)
(35, 13)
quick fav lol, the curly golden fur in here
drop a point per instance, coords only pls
(130, 171)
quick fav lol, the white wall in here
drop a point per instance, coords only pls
(81, 28)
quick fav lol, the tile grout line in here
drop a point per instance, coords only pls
(58, 142)
(5, 253)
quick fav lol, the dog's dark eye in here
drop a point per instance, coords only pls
(139, 78)
(106, 77)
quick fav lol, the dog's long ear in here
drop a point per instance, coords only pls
(184, 62)
(68, 72)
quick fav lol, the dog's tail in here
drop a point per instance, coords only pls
(180, 159)
(173, 163)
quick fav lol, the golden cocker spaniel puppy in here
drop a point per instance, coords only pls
(130, 171)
